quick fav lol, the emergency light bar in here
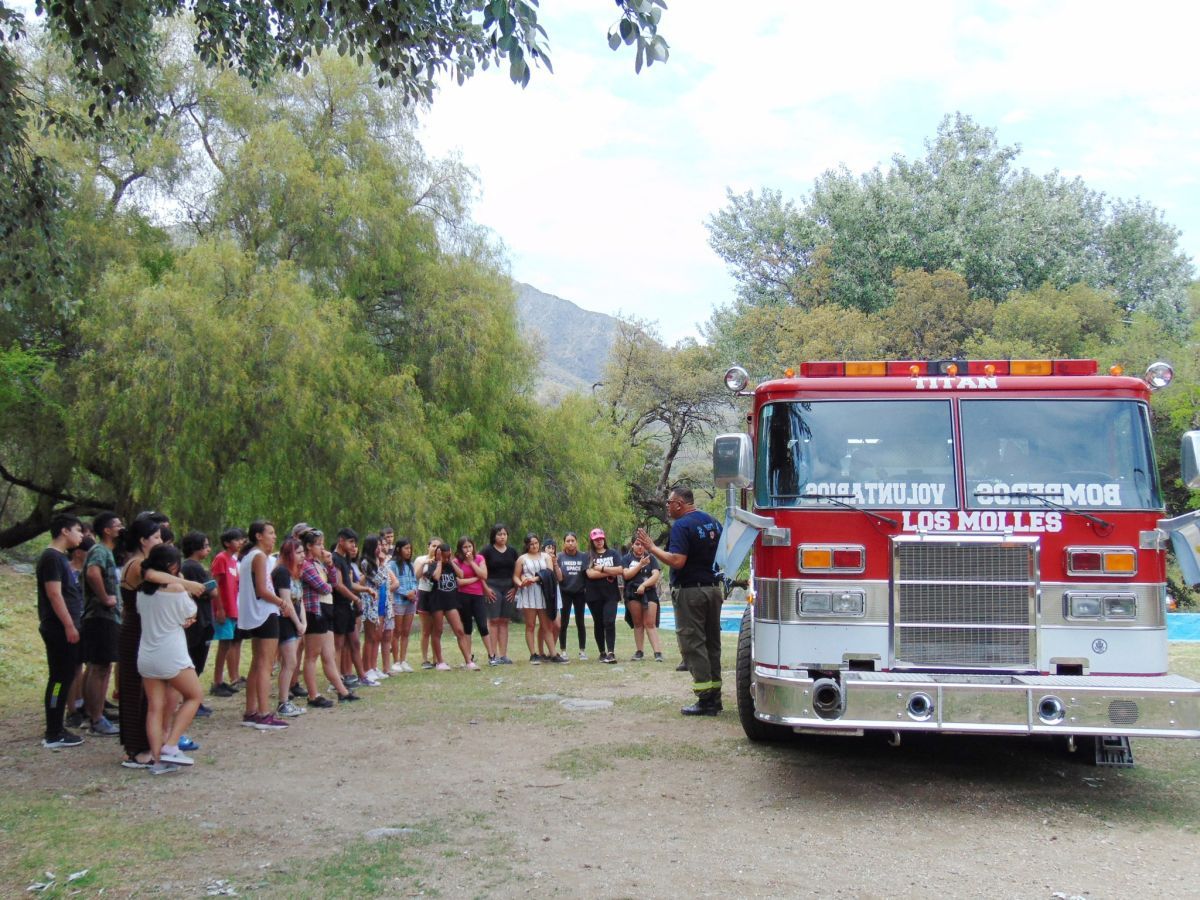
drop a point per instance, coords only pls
(948, 367)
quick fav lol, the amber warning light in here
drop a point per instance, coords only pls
(911, 368)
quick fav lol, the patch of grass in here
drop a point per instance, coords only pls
(22, 654)
(388, 867)
(404, 864)
(40, 834)
(583, 762)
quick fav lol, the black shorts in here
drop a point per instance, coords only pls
(287, 629)
(423, 602)
(645, 599)
(267, 631)
(98, 640)
(343, 617)
(318, 623)
(443, 602)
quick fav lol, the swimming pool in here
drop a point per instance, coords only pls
(1180, 626)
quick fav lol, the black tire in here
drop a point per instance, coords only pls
(755, 729)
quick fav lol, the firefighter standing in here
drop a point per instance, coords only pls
(696, 595)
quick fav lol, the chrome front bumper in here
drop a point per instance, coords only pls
(1135, 706)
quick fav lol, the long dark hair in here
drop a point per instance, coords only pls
(252, 535)
(458, 551)
(161, 558)
(401, 563)
(367, 555)
(529, 538)
(137, 531)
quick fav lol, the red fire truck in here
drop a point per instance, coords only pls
(956, 546)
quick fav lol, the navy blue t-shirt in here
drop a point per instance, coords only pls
(695, 535)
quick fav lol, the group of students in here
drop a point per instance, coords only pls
(127, 596)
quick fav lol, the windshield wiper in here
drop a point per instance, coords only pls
(1045, 498)
(840, 500)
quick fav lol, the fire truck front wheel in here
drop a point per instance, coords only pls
(755, 730)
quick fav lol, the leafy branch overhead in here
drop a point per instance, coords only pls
(113, 46)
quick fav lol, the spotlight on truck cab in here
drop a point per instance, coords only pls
(1159, 375)
(736, 379)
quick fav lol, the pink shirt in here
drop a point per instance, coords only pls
(475, 587)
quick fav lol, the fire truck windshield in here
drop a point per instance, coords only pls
(1084, 454)
(871, 453)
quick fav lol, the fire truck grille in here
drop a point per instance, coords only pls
(964, 604)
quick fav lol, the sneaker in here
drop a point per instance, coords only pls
(472, 667)
(75, 719)
(299, 692)
(442, 667)
(239, 684)
(175, 757)
(250, 720)
(562, 658)
(535, 660)
(103, 727)
(349, 680)
(658, 657)
(505, 661)
(638, 657)
(582, 656)
(320, 702)
(682, 667)
(203, 712)
(187, 745)
(351, 697)
(270, 723)
(222, 690)
(289, 710)
(109, 706)
(405, 667)
(160, 768)
(426, 664)
(381, 676)
(610, 658)
(493, 660)
(64, 739)
(366, 681)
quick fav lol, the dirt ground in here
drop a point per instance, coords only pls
(499, 791)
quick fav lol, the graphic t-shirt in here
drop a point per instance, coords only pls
(95, 607)
(600, 590)
(445, 588)
(632, 584)
(572, 570)
(695, 535)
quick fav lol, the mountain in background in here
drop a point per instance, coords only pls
(573, 343)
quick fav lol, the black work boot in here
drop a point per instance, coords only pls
(704, 705)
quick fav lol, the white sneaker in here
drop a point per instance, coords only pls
(583, 656)
(405, 667)
(472, 667)
(367, 681)
(397, 668)
(175, 756)
(377, 675)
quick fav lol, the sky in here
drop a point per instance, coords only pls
(599, 181)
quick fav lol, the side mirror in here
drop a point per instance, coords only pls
(733, 461)
(1189, 459)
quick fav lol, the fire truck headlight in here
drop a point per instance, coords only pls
(1085, 606)
(736, 379)
(1120, 606)
(848, 603)
(1159, 375)
(832, 603)
(816, 603)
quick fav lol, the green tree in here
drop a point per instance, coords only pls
(965, 207)
(663, 400)
(1048, 322)
(115, 49)
(933, 315)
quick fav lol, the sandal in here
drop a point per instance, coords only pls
(132, 762)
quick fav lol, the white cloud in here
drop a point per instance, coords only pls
(600, 181)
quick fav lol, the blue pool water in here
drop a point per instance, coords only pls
(1180, 626)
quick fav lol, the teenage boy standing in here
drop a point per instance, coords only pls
(101, 620)
(60, 607)
(225, 611)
